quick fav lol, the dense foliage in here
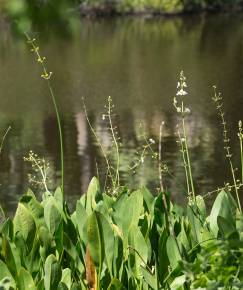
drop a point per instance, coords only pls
(132, 241)
(28, 13)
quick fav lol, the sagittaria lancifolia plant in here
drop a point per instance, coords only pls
(131, 240)
(121, 242)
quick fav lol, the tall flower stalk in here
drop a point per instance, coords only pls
(183, 111)
(114, 138)
(46, 75)
(240, 135)
(219, 107)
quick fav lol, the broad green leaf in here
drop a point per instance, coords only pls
(128, 211)
(11, 256)
(178, 283)
(25, 280)
(31, 261)
(108, 200)
(34, 207)
(138, 250)
(195, 222)
(67, 277)
(58, 195)
(24, 223)
(148, 198)
(95, 239)
(117, 256)
(173, 252)
(93, 190)
(72, 253)
(5, 273)
(163, 260)
(223, 206)
(150, 278)
(103, 209)
(52, 215)
(159, 210)
(184, 237)
(225, 228)
(201, 206)
(8, 229)
(81, 217)
(52, 273)
(108, 237)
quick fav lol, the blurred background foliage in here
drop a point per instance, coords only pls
(27, 14)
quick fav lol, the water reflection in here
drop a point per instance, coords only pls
(136, 62)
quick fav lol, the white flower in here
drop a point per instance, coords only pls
(103, 117)
(187, 110)
(178, 85)
(178, 109)
(151, 141)
(181, 92)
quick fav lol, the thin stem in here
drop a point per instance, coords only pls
(184, 163)
(229, 187)
(60, 133)
(145, 264)
(188, 157)
(235, 184)
(3, 139)
(46, 76)
(160, 157)
(99, 143)
(241, 159)
(117, 178)
(240, 135)
(219, 107)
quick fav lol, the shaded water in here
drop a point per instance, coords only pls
(136, 61)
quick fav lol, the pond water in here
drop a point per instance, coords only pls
(136, 62)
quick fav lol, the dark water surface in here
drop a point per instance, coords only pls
(136, 61)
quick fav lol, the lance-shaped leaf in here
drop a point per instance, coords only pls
(95, 239)
(5, 275)
(25, 280)
(53, 273)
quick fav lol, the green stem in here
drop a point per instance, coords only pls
(185, 163)
(117, 181)
(241, 158)
(47, 76)
(188, 158)
(60, 133)
(235, 185)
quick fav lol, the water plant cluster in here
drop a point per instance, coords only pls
(120, 238)
(134, 240)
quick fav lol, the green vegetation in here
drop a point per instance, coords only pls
(60, 13)
(118, 238)
(132, 241)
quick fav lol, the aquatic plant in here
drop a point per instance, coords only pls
(46, 75)
(124, 239)
(121, 243)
